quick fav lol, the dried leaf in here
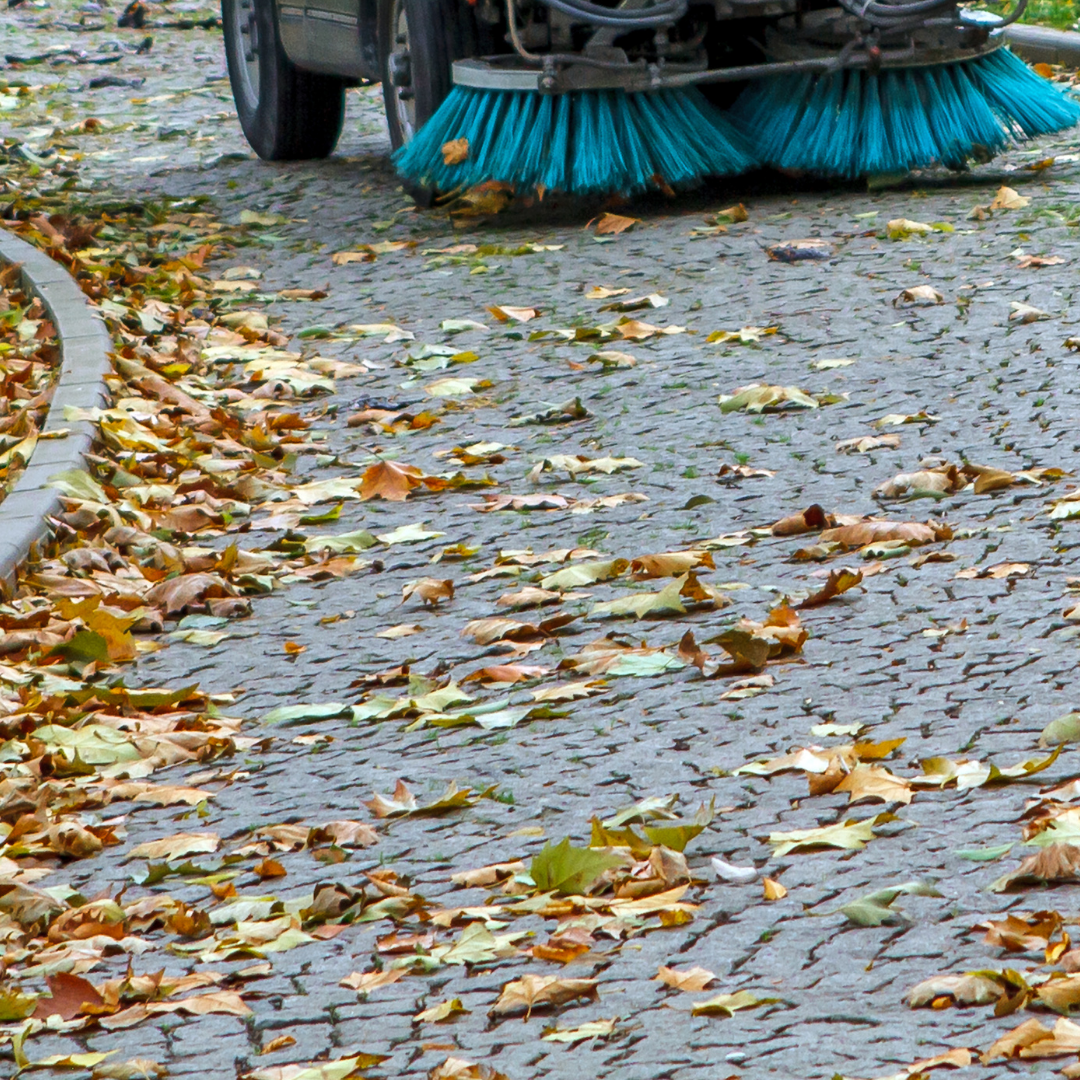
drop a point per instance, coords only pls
(541, 992)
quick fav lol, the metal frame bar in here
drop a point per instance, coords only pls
(557, 73)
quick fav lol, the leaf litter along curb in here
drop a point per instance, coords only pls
(195, 447)
(29, 364)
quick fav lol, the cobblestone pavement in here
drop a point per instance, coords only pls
(1000, 393)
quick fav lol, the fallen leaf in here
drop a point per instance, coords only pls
(459, 1069)
(691, 980)
(812, 519)
(875, 531)
(1025, 313)
(865, 443)
(1054, 864)
(455, 151)
(541, 992)
(839, 581)
(876, 908)
(1008, 198)
(570, 870)
(338, 1069)
(609, 223)
(428, 590)
(441, 1012)
(847, 835)
(729, 1004)
(389, 480)
(71, 996)
(759, 397)
(773, 890)
(366, 981)
(177, 846)
(922, 295)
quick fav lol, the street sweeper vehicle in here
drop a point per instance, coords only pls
(619, 96)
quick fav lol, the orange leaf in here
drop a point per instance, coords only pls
(389, 480)
(614, 223)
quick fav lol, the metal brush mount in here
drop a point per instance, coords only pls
(561, 46)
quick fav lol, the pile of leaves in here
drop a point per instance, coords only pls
(28, 366)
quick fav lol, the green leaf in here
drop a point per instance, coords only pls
(298, 714)
(84, 647)
(666, 602)
(876, 908)
(78, 484)
(675, 835)
(343, 543)
(847, 835)
(643, 665)
(409, 534)
(340, 1069)
(729, 1004)
(1063, 730)
(570, 870)
(988, 854)
(586, 573)
(15, 1005)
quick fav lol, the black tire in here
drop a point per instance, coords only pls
(287, 114)
(439, 32)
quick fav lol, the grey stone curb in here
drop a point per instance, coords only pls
(1041, 45)
(84, 346)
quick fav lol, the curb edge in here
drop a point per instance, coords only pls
(1042, 45)
(84, 348)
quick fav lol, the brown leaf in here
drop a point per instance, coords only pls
(506, 673)
(695, 978)
(186, 593)
(811, 519)
(772, 889)
(428, 590)
(613, 223)
(923, 295)
(541, 992)
(455, 151)
(998, 572)
(177, 846)
(487, 875)
(669, 564)
(458, 1069)
(389, 480)
(875, 531)
(268, 869)
(839, 581)
(1022, 934)
(865, 443)
(280, 1043)
(71, 996)
(875, 782)
(366, 981)
(942, 481)
(1055, 863)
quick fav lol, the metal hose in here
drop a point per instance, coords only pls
(661, 14)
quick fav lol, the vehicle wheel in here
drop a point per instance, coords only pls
(419, 41)
(287, 114)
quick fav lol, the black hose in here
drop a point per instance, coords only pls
(662, 14)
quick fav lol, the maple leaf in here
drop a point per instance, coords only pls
(540, 992)
(389, 480)
(695, 978)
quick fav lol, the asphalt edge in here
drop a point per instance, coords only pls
(1042, 45)
(84, 361)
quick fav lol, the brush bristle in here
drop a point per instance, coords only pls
(587, 143)
(855, 123)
